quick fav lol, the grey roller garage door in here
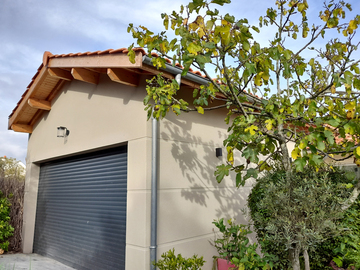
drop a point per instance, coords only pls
(81, 210)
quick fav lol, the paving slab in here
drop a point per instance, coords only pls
(20, 261)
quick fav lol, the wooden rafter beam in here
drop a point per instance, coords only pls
(123, 76)
(60, 74)
(85, 75)
(39, 104)
(22, 128)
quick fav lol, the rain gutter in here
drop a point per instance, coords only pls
(177, 70)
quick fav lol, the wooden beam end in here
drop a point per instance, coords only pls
(123, 76)
(85, 75)
(22, 128)
(39, 104)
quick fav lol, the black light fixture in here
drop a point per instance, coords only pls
(62, 132)
(218, 152)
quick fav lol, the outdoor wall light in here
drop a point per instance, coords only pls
(218, 152)
(62, 132)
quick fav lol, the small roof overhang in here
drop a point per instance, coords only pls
(57, 69)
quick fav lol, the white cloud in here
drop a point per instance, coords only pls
(16, 57)
(13, 144)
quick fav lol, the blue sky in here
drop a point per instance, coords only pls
(30, 27)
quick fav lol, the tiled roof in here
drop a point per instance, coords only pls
(43, 85)
(121, 50)
(48, 55)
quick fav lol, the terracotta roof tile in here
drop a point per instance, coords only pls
(93, 53)
(140, 50)
(85, 53)
(105, 52)
(32, 81)
(117, 50)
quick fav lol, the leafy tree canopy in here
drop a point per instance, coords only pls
(275, 93)
(10, 168)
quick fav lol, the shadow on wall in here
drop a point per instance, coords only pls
(197, 161)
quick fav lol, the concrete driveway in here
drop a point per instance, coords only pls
(21, 261)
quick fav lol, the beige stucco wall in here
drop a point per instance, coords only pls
(189, 196)
(110, 114)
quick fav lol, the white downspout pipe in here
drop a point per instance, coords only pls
(154, 188)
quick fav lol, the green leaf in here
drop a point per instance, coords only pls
(348, 77)
(239, 180)
(313, 149)
(255, 29)
(338, 261)
(194, 48)
(229, 18)
(316, 160)
(251, 154)
(221, 172)
(251, 68)
(202, 60)
(246, 45)
(333, 122)
(131, 54)
(287, 54)
(356, 83)
(251, 173)
(329, 136)
(300, 164)
(220, 2)
(176, 109)
(321, 145)
(166, 21)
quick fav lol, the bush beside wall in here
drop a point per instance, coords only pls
(12, 185)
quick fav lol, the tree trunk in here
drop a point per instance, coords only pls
(294, 255)
(306, 259)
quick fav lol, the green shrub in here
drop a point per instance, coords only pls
(5, 229)
(171, 262)
(233, 245)
(344, 249)
(12, 185)
(308, 208)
